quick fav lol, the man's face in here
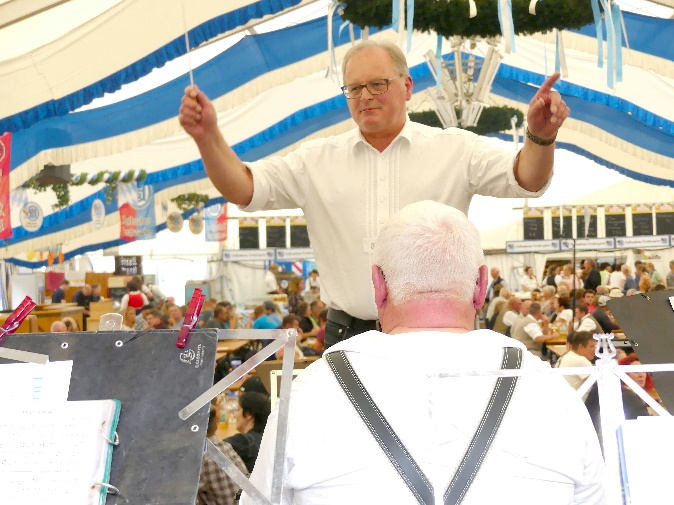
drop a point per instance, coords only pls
(317, 309)
(524, 310)
(587, 298)
(494, 273)
(587, 350)
(86, 290)
(175, 313)
(587, 266)
(579, 314)
(517, 305)
(377, 115)
(96, 291)
(152, 320)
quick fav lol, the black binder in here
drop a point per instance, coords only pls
(158, 459)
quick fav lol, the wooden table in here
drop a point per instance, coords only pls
(558, 350)
(229, 346)
(45, 318)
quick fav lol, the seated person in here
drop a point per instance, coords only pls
(581, 354)
(257, 312)
(251, 419)
(632, 405)
(292, 321)
(71, 324)
(268, 320)
(215, 486)
(219, 319)
(153, 320)
(133, 298)
(320, 336)
(58, 327)
(602, 315)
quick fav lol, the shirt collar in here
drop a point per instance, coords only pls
(405, 133)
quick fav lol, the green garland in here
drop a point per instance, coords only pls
(190, 201)
(451, 18)
(492, 119)
(110, 179)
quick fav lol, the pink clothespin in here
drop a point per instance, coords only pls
(191, 317)
(16, 318)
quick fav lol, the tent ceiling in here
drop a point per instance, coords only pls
(279, 96)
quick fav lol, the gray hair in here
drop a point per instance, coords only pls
(429, 250)
(393, 51)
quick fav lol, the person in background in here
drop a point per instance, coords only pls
(257, 312)
(59, 294)
(220, 318)
(141, 323)
(604, 272)
(292, 321)
(82, 298)
(456, 165)
(314, 282)
(496, 280)
(58, 327)
(215, 486)
(528, 281)
(251, 419)
(153, 320)
(592, 275)
(320, 335)
(602, 315)
(271, 286)
(655, 276)
(670, 275)
(207, 311)
(129, 322)
(96, 292)
(133, 298)
(581, 354)
(618, 277)
(176, 315)
(268, 320)
(154, 294)
(630, 280)
(295, 290)
(71, 324)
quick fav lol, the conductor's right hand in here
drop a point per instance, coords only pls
(197, 114)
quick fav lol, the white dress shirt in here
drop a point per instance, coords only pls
(270, 282)
(571, 359)
(528, 283)
(331, 457)
(348, 190)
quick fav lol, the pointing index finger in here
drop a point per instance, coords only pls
(546, 87)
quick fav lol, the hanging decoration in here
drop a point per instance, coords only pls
(190, 201)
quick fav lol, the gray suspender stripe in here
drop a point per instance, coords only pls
(389, 442)
(396, 452)
(486, 430)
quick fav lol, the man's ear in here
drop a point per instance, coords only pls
(480, 292)
(380, 287)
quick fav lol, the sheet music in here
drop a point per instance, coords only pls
(53, 453)
(26, 382)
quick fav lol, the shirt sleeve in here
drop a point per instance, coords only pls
(215, 486)
(533, 330)
(509, 318)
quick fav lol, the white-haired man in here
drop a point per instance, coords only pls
(429, 279)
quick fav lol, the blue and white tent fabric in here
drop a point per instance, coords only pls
(272, 92)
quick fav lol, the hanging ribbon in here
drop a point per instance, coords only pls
(532, 7)
(395, 14)
(505, 20)
(560, 55)
(597, 28)
(616, 15)
(438, 63)
(610, 42)
(410, 24)
(333, 69)
(473, 9)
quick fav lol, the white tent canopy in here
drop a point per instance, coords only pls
(272, 92)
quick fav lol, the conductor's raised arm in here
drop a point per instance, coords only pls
(227, 172)
(547, 111)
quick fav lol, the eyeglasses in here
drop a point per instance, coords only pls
(376, 87)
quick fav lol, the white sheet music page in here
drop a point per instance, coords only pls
(27, 382)
(53, 452)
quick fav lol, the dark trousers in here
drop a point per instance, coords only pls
(342, 326)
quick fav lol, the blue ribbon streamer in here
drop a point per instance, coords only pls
(597, 27)
(610, 40)
(438, 63)
(395, 14)
(558, 58)
(504, 18)
(410, 24)
(618, 30)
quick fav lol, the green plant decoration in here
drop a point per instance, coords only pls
(190, 201)
(451, 18)
(492, 119)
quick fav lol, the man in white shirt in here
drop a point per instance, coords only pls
(528, 330)
(584, 320)
(270, 283)
(528, 281)
(582, 350)
(349, 185)
(429, 280)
